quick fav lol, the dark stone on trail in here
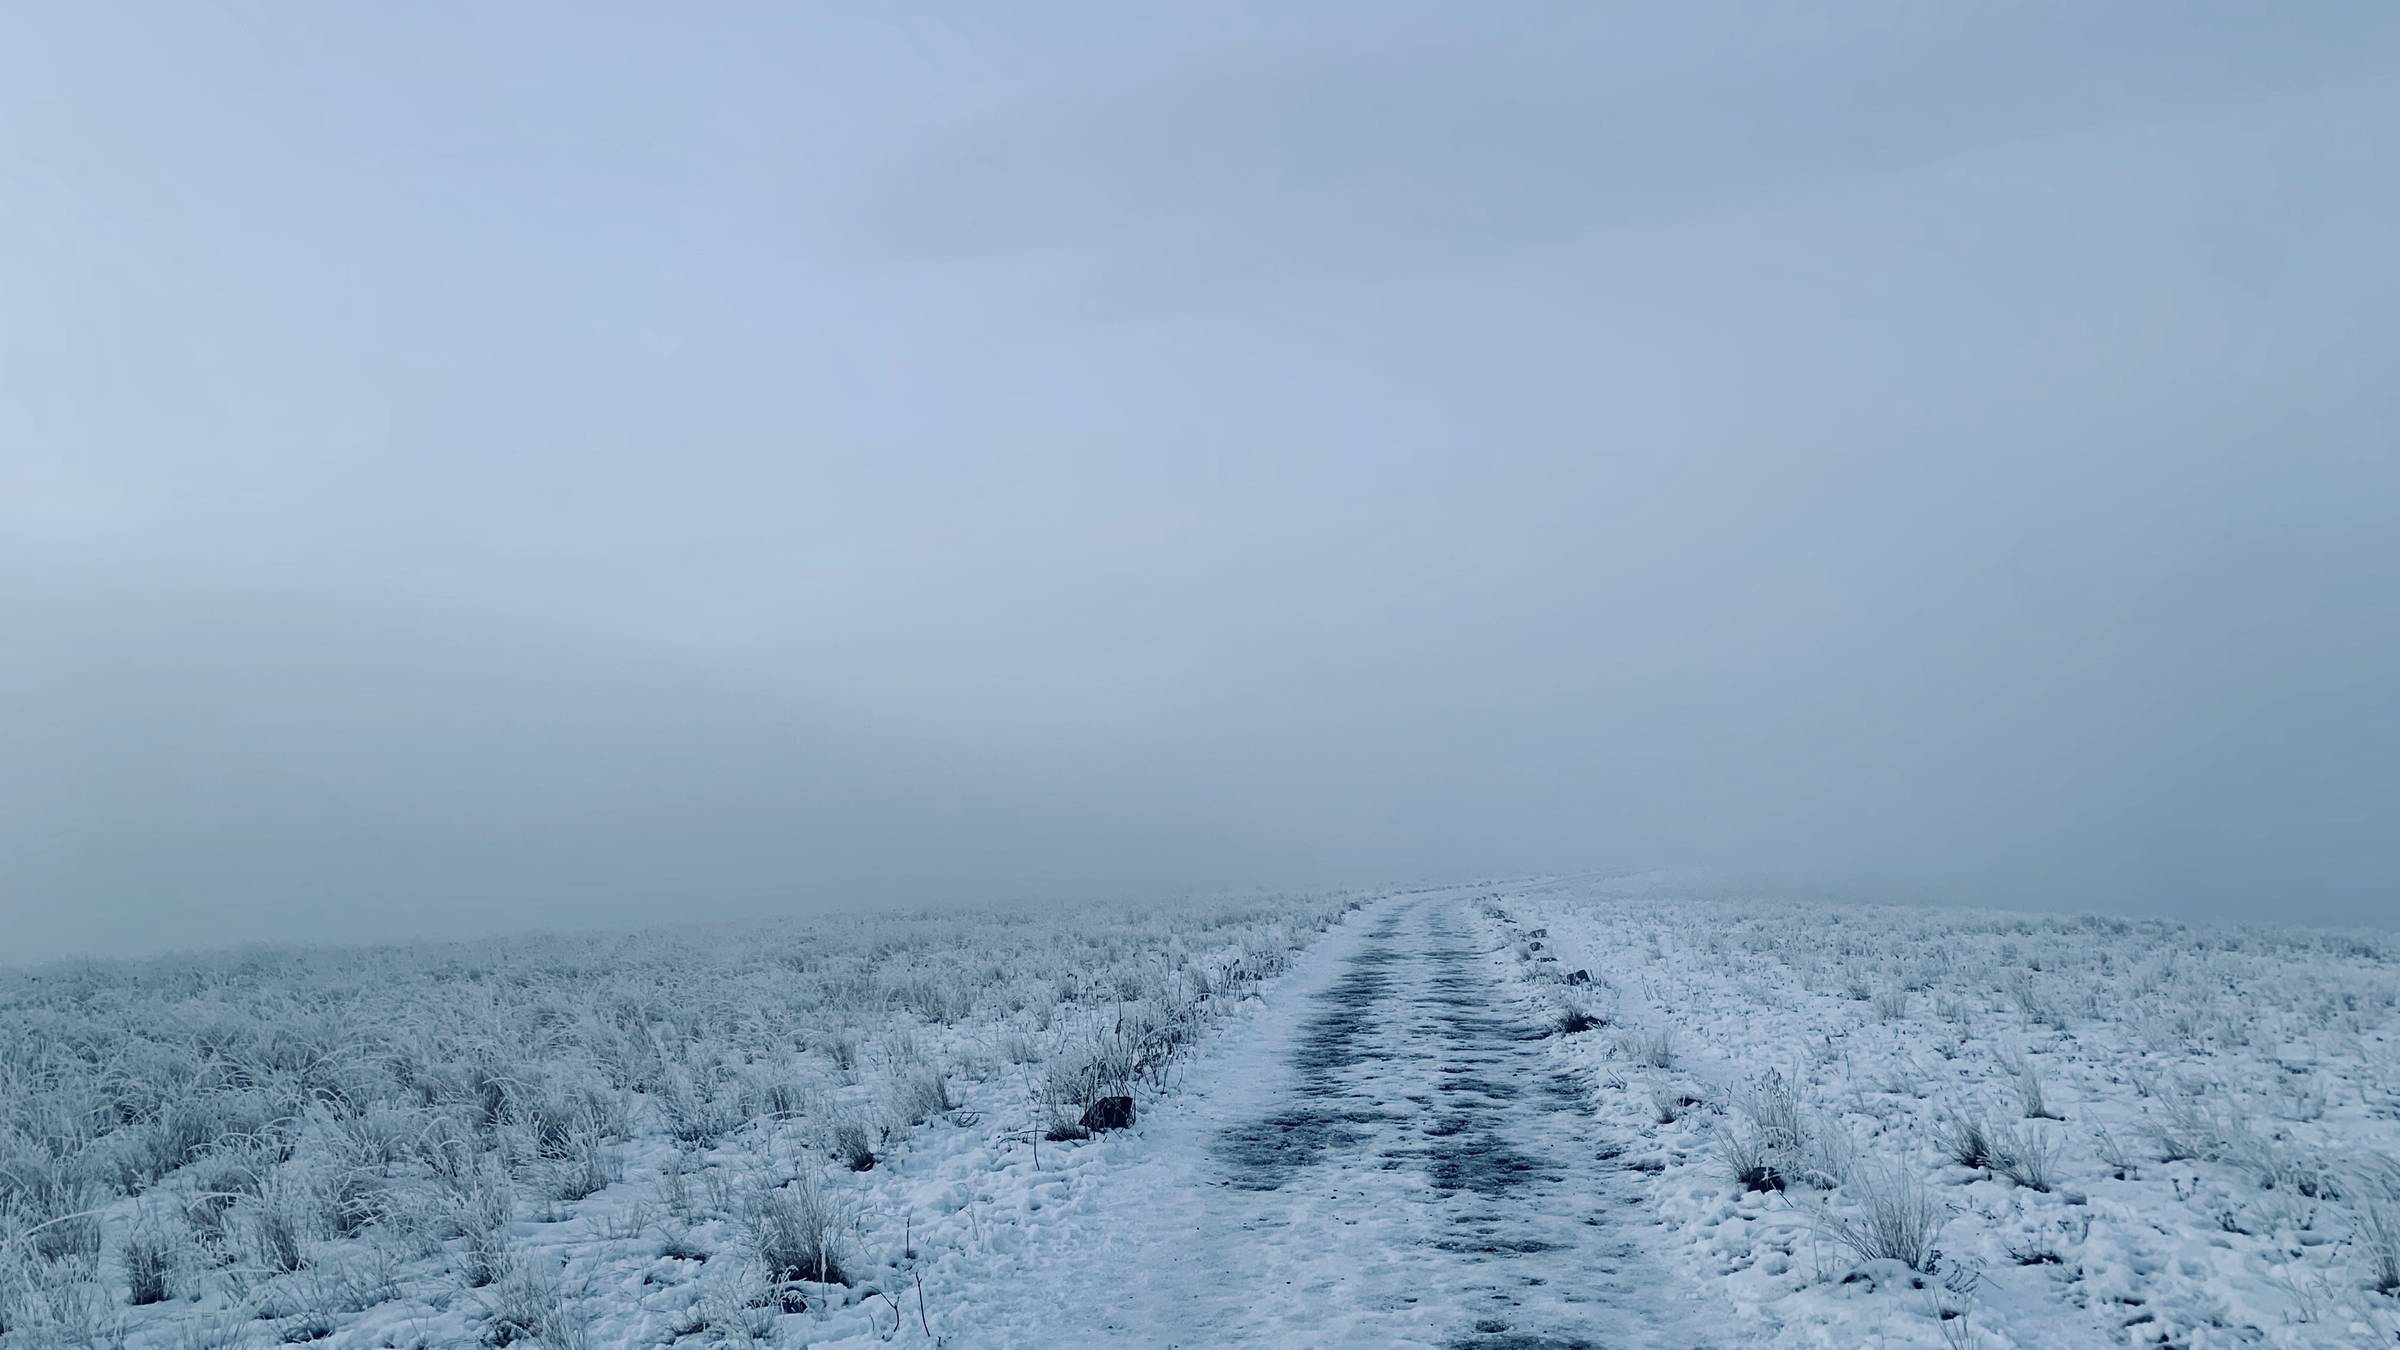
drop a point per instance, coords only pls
(1761, 1178)
(1579, 977)
(1533, 946)
(1539, 932)
(1109, 1113)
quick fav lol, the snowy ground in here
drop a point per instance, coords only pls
(2118, 1132)
(1509, 1117)
(639, 1140)
(1386, 1157)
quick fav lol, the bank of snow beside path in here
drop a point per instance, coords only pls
(2201, 1120)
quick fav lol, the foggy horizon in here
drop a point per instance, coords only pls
(590, 468)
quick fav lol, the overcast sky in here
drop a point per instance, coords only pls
(466, 469)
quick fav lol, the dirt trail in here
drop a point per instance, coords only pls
(1386, 1157)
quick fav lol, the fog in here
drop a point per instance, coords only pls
(599, 465)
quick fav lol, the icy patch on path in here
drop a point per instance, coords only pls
(1384, 1158)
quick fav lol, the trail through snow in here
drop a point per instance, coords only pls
(1385, 1157)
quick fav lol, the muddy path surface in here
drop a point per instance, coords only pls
(1417, 1062)
(1387, 1156)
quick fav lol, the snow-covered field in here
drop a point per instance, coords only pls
(1545, 1115)
(608, 1140)
(2077, 1130)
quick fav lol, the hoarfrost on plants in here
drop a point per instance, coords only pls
(569, 1140)
(2100, 1129)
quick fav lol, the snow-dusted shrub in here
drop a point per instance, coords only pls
(2025, 1155)
(2297, 1174)
(900, 1046)
(349, 1197)
(1574, 1016)
(694, 1107)
(1061, 1092)
(738, 1303)
(72, 1306)
(147, 1259)
(2379, 1226)
(479, 1207)
(274, 1222)
(16, 1282)
(1965, 1139)
(1770, 1104)
(50, 1206)
(1108, 1063)
(796, 1229)
(589, 1168)
(1831, 1155)
(2198, 1125)
(921, 1095)
(1894, 1217)
(2029, 1085)
(1667, 1104)
(1774, 1138)
(773, 1089)
(1748, 1160)
(849, 1142)
(841, 1046)
(531, 1303)
(176, 1131)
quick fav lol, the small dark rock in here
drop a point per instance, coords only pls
(1579, 977)
(1761, 1178)
(1109, 1113)
(1539, 932)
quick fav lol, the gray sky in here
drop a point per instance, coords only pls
(461, 471)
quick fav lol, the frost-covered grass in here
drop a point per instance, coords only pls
(590, 1140)
(1987, 1128)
